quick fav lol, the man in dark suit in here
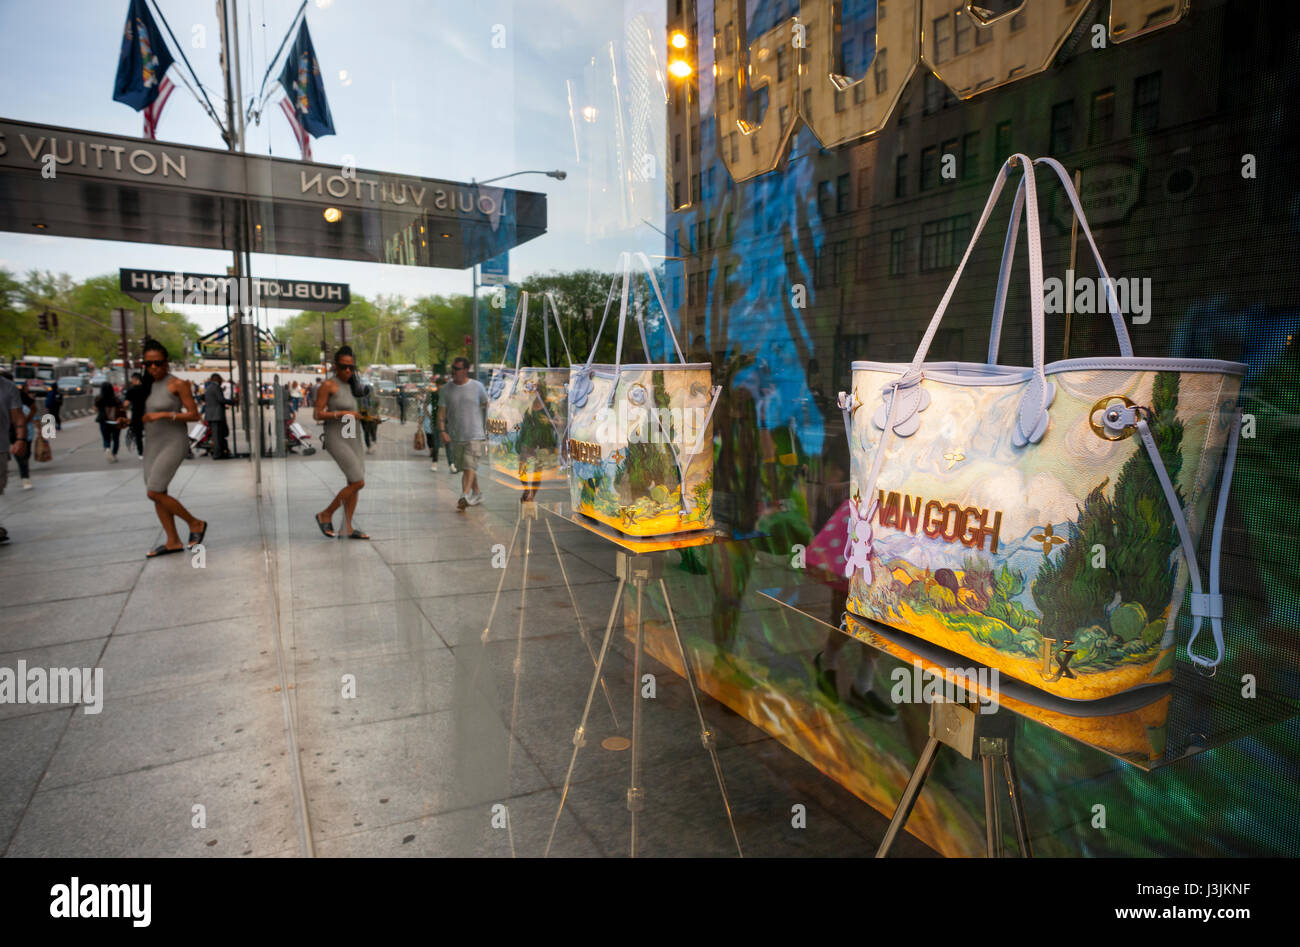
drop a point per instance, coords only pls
(214, 415)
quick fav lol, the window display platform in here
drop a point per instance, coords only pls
(1147, 727)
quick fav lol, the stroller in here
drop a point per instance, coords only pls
(200, 438)
(296, 437)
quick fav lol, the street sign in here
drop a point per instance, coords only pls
(121, 315)
(209, 289)
(496, 271)
(342, 329)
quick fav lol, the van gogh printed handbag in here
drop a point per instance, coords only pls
(527, 407)
(640, 436)
(1043, 520)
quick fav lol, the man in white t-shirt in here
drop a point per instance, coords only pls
(462, 410)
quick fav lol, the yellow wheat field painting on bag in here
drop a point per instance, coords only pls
(1056, 562)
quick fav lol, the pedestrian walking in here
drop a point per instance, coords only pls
(13, 432)
(215, 403)
(461, 414)
(371, 410)
(429, 422)
(295, 398)
(168, 408)
(108, 415)
(26, 431)
(401, 405)
(336, 401)
(135, 396)
(54, 405)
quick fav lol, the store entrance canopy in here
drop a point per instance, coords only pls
(73, 183)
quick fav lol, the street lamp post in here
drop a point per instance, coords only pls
(559, 176)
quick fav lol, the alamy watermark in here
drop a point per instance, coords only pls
(916, 685)
(1132, 295)
(641, 424)
(57, 685)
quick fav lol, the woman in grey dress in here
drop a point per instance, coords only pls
(169, 407)
(335, 403)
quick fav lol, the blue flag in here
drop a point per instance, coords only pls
(302, 82)
(144, 59)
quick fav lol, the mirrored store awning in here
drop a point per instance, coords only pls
(74, 183)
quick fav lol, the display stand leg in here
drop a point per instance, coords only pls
(910, 794)
(706, 735)
(1017, 801)
(579, 735)
(528, 511)
(968, 731)
(582, 628)
(635, 795)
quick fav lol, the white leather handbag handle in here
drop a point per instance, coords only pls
(1031, 417)
(1009, 252)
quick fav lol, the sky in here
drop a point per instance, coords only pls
(415, 87)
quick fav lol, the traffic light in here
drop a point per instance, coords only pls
(43, 320)
(54, 320)
(122, 351)
(398, 336)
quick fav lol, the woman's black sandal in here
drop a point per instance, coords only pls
(357, 534)
(326, 528)
(161, 551)
(197, 538)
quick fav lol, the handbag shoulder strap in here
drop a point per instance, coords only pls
(1204, 604)
(559, 329)
(1009, 252)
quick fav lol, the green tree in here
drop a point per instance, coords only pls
(1135, 528)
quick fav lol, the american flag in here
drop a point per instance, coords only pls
(300, 133)
(153, 112)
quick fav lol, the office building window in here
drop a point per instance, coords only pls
(731, 227)
(1018, 22)
(1101, 121)
(962, 33)
(900, 176)
(943, 38)
(880, 10)
(782, 64)
(1062, 128)
(864, 188)
(825, 197)
(1002, 141)
(944, 241)
(677, 193)
(947, 149)
(861, 259)
(677, 147)
(728, 281)
(878, 68)
(695, 187)
(929, 167)
(840, 273)
(1146, 103)
(970, 156)
(785, 120)
(839, 100)
(897, 244)
(860, 91)
(983, 34)
(842, 194)
(735, 146)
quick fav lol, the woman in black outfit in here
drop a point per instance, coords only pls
(108, 414)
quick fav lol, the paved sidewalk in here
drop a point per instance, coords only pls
(337, 697)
